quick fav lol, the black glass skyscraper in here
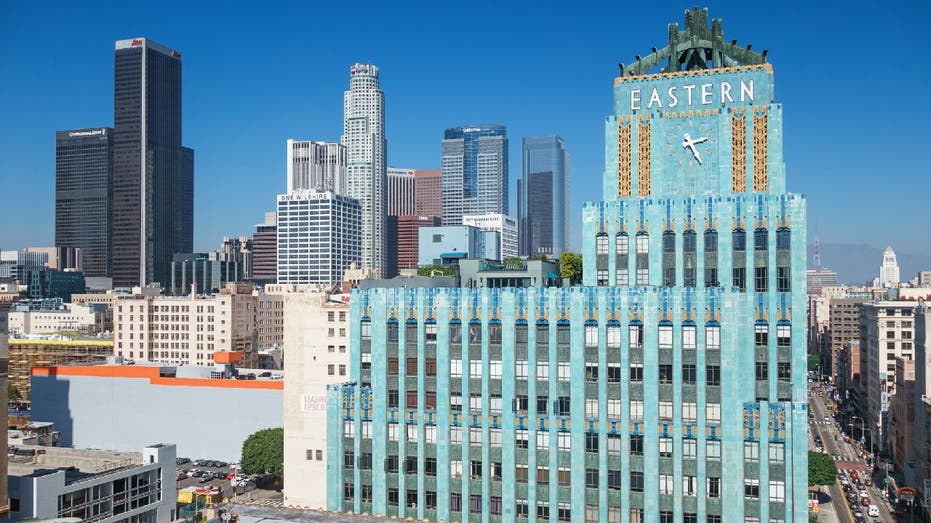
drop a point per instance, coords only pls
(83, 195)
(153, 175)
(543, 197)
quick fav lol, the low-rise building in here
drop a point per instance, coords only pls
(54, 316)
(27, 353)
(187, 330)
(50, 483)
(39, 433)
(523, 273)
(436, 244)
(49, 283)
(205, 411)
(316, 354)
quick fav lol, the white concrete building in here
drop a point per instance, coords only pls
(316, 354)
(187, 330)
(889, 270)
(316, 165)
(99, 486)
(320, 234)
(367, 150)
(504, 225)
(887, 332)
(48, 317)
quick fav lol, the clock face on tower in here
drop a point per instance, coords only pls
(691, 150)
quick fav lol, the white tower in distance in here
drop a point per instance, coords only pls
(889, 270)
(366, 151)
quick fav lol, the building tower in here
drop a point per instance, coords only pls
(674, 377)
(428, 191)
(401, 192)
(543, 197)
(475, 171)
(153, 175)
(84, 195)
(316, 165)
(889, 270)
(366, 153)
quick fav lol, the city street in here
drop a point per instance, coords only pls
(847, 458)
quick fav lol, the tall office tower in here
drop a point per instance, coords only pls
(428, 192)
(504, 225)
(153, 175)
(334, 243)
(265, 250)
(889, 270)
(401, 191)
(366, 153)
(543, 197)
(644, 399)
(316, 165)
(84, 195)
(475, 171)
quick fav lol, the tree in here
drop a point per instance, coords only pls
(513, 262)
(263, 452)
(434, 270)
(814, 362)
(12, 393)
(570, 266)
(821, 469)
(539, 257)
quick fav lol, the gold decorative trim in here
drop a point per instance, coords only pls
(697, 72)
(623, 159)
(738, 153)
(760, 153)
(643, 159)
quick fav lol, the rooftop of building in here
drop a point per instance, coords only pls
(77, 464)
(59, 339)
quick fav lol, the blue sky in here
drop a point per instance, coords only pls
(853, 79)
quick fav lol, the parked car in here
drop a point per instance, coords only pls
(873, 511)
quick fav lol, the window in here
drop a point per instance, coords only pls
(665, 447)
(543, 475)
(783, 281)
(762, 370)
(494, 505)
(564, 370)
(365, 461)
(601, 244)
(543, 510)
(635, 338)
(643, 243)
(777, 491)
(665, 373)
(475, 436)
(761, 334)
(591, 372)
(665, 516)
(751, 451)
(543, 369)
(475, 469)
(564, 441)
(543, 404)
(760, 279)
(713, 337)
(455, 501)
(614, 409)
(665, 410)
(665, 336)
(410, 465)
(783, 335)
(392, 497)
(591, 335)
(591, 442)
(669, 242)
(713, 449)
(521, 370)
(690, 448)
(688, 337)
(621, 276)
(714, 487)
(636, 409)
(636, 481)
(614, 373)
(689, 411)
(562, 406)
(429, 466)
(614, 444)
(621, 244)
(713, 374)
(636, 444)
(522, 438)
(740, 278)
(760, 239)
(455, 368)
(636, 515)
(688, 374)
(543, 440)
(591, 407)
(643, 276)
(601, 275)
(591, 478)
(475, 503)
(689, 485)
(591, 514)
(522, 508)
(636, 372)
(751, 488)
(785, 371)
(614, 336)
(713, 413)
(520, 473)
(563, 478)
(614, 479)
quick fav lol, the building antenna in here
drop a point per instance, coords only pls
(817, 253)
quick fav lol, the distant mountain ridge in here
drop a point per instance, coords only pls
(858, 264)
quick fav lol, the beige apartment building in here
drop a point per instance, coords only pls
(187, 330)
(316, 354)
(887, 332)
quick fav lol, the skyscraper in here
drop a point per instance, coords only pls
(475, 171)
(84, 195)
(401, 191)
(543, 197)
(316, 165)
(153, 175)
(660, 397)
(265, 250)
(428, 192)
(889, 270)
(366, 153)
(319, 236)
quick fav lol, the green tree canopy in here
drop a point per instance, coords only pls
(570, 266)
(513, 262)
(814, 361)
(434, 270)
(263, 452)
(821, 469)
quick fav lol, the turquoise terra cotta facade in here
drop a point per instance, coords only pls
(670, 387)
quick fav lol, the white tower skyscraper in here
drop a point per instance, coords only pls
(316, 165)
(366, 148)
(889, 271)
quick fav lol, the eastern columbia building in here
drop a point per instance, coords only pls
(670, 387)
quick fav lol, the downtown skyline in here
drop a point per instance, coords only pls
(239, 124)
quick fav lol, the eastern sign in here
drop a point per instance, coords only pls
(690, 95)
